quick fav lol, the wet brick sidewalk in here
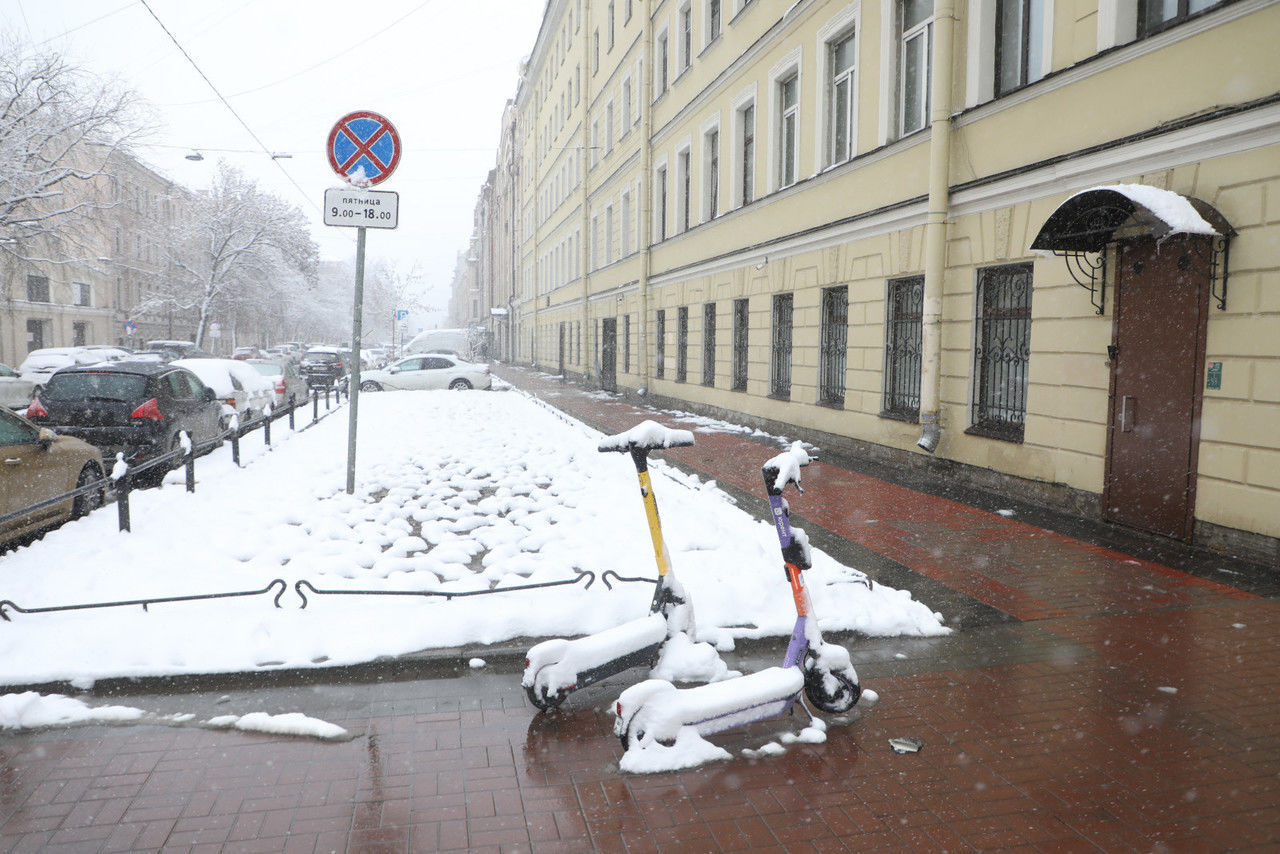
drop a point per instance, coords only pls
(1093, 699)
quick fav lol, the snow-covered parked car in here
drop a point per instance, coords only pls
(283, 375)
(434, 371)
(15, 392)
(246, 393)
(40, 364)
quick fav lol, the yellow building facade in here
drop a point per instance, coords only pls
(820, 216)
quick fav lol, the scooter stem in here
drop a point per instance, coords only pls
(640, 456)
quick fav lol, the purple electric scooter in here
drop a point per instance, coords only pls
(656, 710)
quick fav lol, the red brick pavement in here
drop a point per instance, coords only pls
(1129, 707)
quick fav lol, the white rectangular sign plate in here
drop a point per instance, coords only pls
(364, 208)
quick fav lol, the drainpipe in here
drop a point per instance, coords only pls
(585, 247)
(935, 229)
(644, 204)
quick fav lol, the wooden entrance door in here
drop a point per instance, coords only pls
(1161, 309)
(609, 354)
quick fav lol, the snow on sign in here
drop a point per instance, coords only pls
(361, 208)
(364, 148)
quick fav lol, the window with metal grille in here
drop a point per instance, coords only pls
(660, 344)
(682, 344)
(903, 331)
(1003, 351)
(741, 319)
(709, 344)
(780, 349)
(834, 346)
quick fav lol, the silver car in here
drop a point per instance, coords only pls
(430, 371)
(15, 392)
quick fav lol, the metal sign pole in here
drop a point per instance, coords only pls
(353, 383)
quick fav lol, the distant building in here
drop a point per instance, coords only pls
(93, 285)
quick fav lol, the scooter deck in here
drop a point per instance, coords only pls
(662, 709)
(586, 660)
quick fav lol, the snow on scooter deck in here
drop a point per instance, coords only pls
(656, 710)
(558, 666)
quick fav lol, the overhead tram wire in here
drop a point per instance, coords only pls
(87, 23)
(322, 62)
(232, 109)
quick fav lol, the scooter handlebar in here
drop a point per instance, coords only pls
(785, 469)
(646, 436)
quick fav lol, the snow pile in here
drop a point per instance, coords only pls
(454, 493)
(291, 723)
(30, 710)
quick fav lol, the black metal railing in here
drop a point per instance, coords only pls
(9, 605)
(280, 586)
(589, 576)
(124, 484)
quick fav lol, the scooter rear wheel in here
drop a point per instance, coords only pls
(839, 701)
(543, 701)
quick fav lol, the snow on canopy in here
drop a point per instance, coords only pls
(1172, 208)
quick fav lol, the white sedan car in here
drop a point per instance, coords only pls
(40, 364)
(238, 385)
(429, 371)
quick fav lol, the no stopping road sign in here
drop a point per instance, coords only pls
(364, 145)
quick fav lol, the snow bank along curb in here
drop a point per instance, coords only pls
(455, 492)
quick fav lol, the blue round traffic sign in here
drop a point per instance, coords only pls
(364, 147)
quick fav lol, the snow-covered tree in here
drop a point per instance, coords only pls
(239, 251)
(59, 126)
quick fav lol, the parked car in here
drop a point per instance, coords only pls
(108, 352)
(246, 392)
(137, 408)
(170, 350)
(40, 364)
(288, 384)
(38, 465)
(15, 392)
(243, 353)
(428, 372)
(323, 367)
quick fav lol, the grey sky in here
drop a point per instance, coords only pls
(440, 70)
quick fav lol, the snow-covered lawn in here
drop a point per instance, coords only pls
(455, 492)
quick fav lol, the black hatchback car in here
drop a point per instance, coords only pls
(135, 408)
(323, 367)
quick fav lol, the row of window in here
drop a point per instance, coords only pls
(1021, 34)
(38, 291)
(1002, 348)
(1020, 30)
(40, 333)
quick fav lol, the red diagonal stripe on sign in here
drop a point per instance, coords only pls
(364, 148)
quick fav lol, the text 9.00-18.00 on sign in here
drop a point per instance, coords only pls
(361, 208)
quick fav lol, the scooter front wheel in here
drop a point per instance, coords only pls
(834, 702)
(543, 701)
